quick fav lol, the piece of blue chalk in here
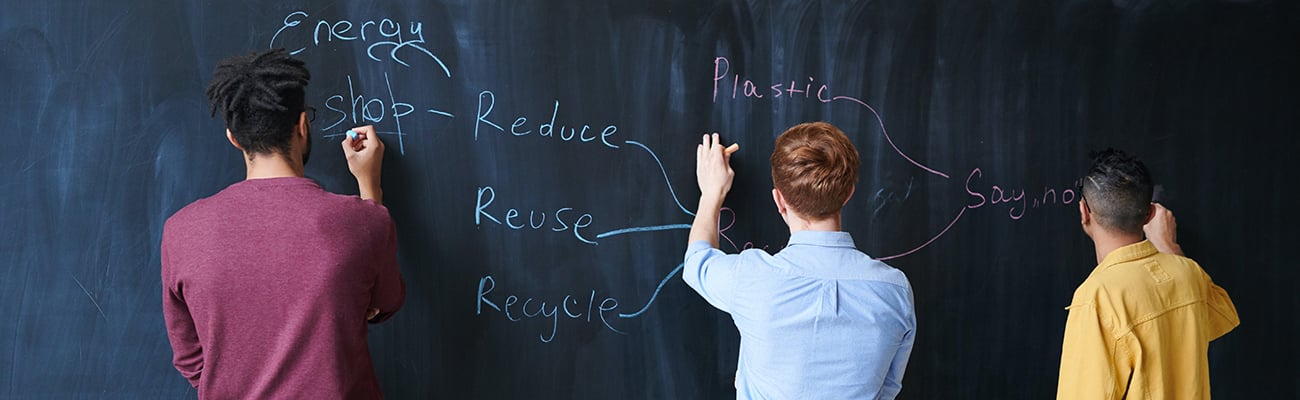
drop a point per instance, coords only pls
(352, 135)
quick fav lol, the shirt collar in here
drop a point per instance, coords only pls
(1128, 253)
(279, 181)
(822, 238)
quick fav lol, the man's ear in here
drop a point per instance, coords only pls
(779, 200)
(1151, 213)
(231, 138)
(852, 189)
(301, 129)
(1085, 213)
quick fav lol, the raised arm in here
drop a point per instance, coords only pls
(713, 171)
(365, 155)
(1162, 230)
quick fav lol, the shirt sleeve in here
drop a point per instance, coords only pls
(1089, 367)
(894, 376)
(187, 352)
(711, 273)
(1223, 314)
(390, 290)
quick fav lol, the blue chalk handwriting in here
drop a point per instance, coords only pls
(575, 307)
(536, 219)
(358, 109)
(562, 130)
(380, 34)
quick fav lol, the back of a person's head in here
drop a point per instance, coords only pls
(261, 96)
(815, 166)
(1118, 191)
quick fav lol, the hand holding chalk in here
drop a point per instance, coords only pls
(365, 155)
(713, 167)
(734, 147)
(355, 139)
(1162, 230)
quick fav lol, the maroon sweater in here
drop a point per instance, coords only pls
(266, 287)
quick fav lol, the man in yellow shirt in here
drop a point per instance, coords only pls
(1141, 324)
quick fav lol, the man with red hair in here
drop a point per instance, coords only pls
(819, 319)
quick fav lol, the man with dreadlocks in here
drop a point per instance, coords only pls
(268, 284)
(1141, 324)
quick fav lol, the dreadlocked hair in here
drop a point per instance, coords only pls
(261, 95)
(1118, 190)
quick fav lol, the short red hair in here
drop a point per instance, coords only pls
(815, 166)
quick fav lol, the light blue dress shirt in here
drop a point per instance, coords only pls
(818, 320)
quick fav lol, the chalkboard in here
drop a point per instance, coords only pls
(541, 175)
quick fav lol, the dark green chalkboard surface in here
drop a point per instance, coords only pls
(540, 169)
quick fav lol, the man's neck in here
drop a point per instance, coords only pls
(1107, 242)
(798, 224)
(263, 166)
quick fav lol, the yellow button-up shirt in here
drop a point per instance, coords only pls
(1140, 327)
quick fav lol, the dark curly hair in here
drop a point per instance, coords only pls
(1118, 191)
(261, 96)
